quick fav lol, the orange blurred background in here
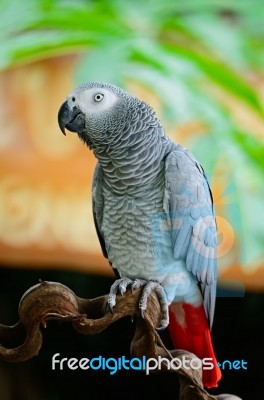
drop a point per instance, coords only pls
(45, 179)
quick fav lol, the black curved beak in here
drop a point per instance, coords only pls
(70, 118)
(63, 117)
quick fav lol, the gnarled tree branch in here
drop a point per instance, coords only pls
(54, 301)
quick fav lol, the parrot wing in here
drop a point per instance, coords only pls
(98, 209)
(98, 205)
(188, 203)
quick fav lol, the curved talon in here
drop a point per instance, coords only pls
(124, 284)
(160, 292)
(111, 302)
(163, 325)
(119, 286)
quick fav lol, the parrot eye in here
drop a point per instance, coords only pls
(98, 97)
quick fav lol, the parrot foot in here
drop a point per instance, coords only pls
(121, 285)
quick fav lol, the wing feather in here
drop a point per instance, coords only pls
(98, 205)
(188, 200)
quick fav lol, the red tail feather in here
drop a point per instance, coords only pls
(189, 331)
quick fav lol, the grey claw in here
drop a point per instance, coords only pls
(163, 325)
(122, 289)
(119, 286)
(111, 303)
(142, 307)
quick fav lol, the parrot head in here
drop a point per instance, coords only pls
(96, 112)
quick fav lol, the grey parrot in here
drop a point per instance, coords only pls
(153, 211)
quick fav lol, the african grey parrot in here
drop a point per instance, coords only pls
(153, 210)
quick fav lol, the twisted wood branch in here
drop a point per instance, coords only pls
(54, 301)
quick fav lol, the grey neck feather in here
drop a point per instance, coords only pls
(133, 160)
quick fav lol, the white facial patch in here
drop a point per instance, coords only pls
(96, 100)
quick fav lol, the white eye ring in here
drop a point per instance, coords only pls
(98, 97)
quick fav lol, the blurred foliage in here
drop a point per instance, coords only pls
(202, 59)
